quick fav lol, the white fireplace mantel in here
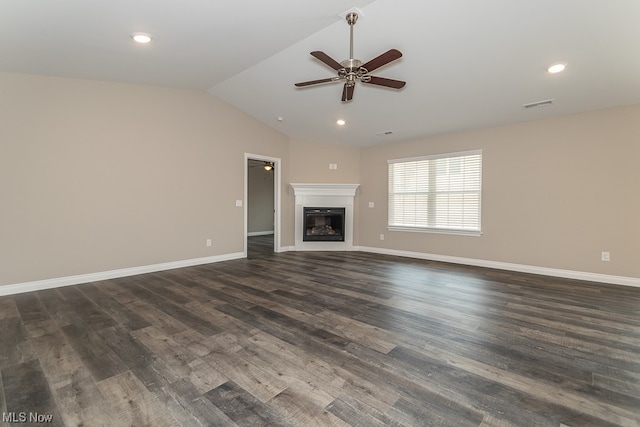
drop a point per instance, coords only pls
(324, 195)
(325, 189)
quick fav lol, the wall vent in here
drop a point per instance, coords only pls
(539, 103)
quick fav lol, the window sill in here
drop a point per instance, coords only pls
(435, 231)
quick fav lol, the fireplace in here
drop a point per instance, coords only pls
(323, 224)
(333, 222)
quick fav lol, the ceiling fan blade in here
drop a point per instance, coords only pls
(381, 81)
(347, 92)
(315, 82)
(384, 59)
(326, 59)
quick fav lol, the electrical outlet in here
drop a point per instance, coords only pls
(382, 237)
(371, 204)
(208, 242)
(333, 166)
(605, 256)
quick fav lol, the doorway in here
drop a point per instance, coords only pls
(262, 205)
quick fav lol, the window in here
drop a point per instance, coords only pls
(439, 193)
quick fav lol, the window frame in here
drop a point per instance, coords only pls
(433, 228)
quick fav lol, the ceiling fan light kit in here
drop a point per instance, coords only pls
(353, 70)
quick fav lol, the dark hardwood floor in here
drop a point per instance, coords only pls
(259, 246)
(330, 338)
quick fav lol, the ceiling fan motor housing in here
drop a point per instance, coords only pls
(352, 64)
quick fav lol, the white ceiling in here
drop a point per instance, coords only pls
(468, 63)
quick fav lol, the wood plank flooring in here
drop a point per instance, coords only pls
(323, 339)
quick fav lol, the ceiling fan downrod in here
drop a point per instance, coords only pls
(352, 67)
(352, 18)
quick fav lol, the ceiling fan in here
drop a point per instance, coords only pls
(352, 70)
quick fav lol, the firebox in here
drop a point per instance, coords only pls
(323, 225)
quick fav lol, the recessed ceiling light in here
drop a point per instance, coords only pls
(340, 122)
(141, 37)
(556, 68)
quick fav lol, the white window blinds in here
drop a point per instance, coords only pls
(436, 192)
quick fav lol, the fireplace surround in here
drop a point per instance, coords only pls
(327, 197)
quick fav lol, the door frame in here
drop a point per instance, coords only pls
(277, 198)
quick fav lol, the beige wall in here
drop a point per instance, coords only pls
(556, 193)
(96, 176)
(310, 163)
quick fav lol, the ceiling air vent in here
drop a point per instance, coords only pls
(385, 133)
(538, 104)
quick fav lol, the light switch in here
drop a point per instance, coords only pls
(238, 203)
(371, 204)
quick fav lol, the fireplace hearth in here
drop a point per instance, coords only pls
(323, 224)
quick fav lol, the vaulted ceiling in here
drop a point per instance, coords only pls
(468, 64)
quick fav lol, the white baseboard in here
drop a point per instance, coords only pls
(522, 268)
(259, 233)
(112, 274)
